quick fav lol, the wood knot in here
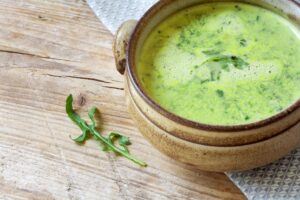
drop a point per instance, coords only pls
(42, 18)
(81, 100)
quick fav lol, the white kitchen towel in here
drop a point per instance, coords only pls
(277, 181)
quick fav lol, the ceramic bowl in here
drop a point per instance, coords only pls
(210, 147)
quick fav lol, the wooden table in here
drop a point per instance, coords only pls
(49, 49)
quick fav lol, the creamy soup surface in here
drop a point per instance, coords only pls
(222, 63)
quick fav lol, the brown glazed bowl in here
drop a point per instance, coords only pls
(210, 147)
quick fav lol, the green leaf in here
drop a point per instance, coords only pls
(220, 93)
(226, 60)
(243, 42)
(215, 74)
(210, 52)
(81, 138)
(107, 144)
(91, 114)
(73, 116)
(238, 62)
(123, 140)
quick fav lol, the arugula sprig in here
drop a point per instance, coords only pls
(227, 60)
(107, 143)
(222, 63)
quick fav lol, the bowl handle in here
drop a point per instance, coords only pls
(121, 42)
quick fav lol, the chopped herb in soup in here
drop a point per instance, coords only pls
(222, 63)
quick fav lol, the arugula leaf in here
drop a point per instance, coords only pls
(226, 60)
(210, 52)
(106, 143)
(81, 138)
(243, 42)
(220, 93)
(91, 114)
(215, 74)
(123, 140)
(77, 120)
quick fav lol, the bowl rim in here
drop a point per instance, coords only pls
(130, 56)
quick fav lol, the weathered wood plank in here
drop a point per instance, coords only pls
(49, 49)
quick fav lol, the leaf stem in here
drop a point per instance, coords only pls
(91, 129)
(116, 149)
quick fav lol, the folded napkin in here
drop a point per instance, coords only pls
(277, 181)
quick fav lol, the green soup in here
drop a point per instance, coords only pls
(222, 63)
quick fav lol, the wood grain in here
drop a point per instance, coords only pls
(49, 49)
